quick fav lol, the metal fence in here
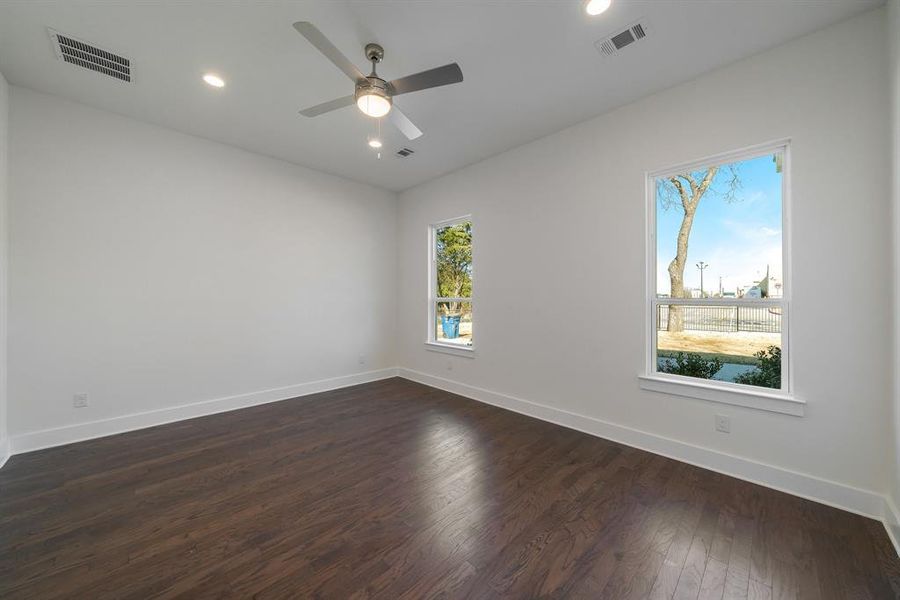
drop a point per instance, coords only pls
(763, 319)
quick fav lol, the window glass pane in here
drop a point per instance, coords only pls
(741, 344)
(719, 230)
(453, 323)
(453, 252)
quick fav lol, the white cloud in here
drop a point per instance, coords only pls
(749, 231)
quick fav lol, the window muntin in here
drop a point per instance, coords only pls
(450, 283)
(718, 273)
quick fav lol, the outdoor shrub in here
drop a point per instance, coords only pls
(691, 365)
(767, 373)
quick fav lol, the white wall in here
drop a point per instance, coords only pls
(152, 269)
(4, 264)
(570, 210)
(893, 10)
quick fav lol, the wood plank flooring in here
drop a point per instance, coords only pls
(397, 490)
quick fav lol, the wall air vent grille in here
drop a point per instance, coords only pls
(610, 46)
(405, 152)
(83, 54)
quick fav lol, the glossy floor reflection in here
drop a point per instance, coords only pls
(396, 490)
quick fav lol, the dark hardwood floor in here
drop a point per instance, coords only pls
(396, 490)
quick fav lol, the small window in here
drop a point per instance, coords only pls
(718, 275)
(450, 296)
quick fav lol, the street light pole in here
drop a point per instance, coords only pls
(702, 266)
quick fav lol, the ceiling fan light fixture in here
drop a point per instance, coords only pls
(372, 97)
(595, 7)
(373, 105)
(373, 102)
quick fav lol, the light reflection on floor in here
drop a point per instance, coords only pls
(450, 519)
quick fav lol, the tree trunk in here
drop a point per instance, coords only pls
(456, 307)
(676, 318)
(676, 268)
(689, 201)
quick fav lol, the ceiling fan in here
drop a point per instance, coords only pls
(373, 95)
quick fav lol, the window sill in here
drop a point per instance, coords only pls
(467, 351)
(761, 400)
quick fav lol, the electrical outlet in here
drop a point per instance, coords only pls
(80, 400)
(449, 365)
(723, 423)
(362, 359)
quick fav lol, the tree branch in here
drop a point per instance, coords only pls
(707, 180)
(691, 183)
(685, 198)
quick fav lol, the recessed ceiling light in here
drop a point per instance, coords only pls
(375, 143)
(214, 80)
(595, 7)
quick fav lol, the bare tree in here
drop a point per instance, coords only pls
(685, 190)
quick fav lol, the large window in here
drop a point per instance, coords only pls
(718, 272)
(450, 284)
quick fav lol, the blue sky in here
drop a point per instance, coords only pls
(738, 239)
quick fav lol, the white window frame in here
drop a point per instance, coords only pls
(781, 401)
(431, 340)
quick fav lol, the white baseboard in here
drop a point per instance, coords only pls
(838, 495)
(892, 522)
(47, 438)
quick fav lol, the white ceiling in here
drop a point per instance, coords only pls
(530, 67)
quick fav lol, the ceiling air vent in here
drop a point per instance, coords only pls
(611, 45)
(405, 152)
(83, 54)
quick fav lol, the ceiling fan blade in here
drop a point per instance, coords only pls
(324, 45)
(318, 109)
(403, 123)
(427, 79)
